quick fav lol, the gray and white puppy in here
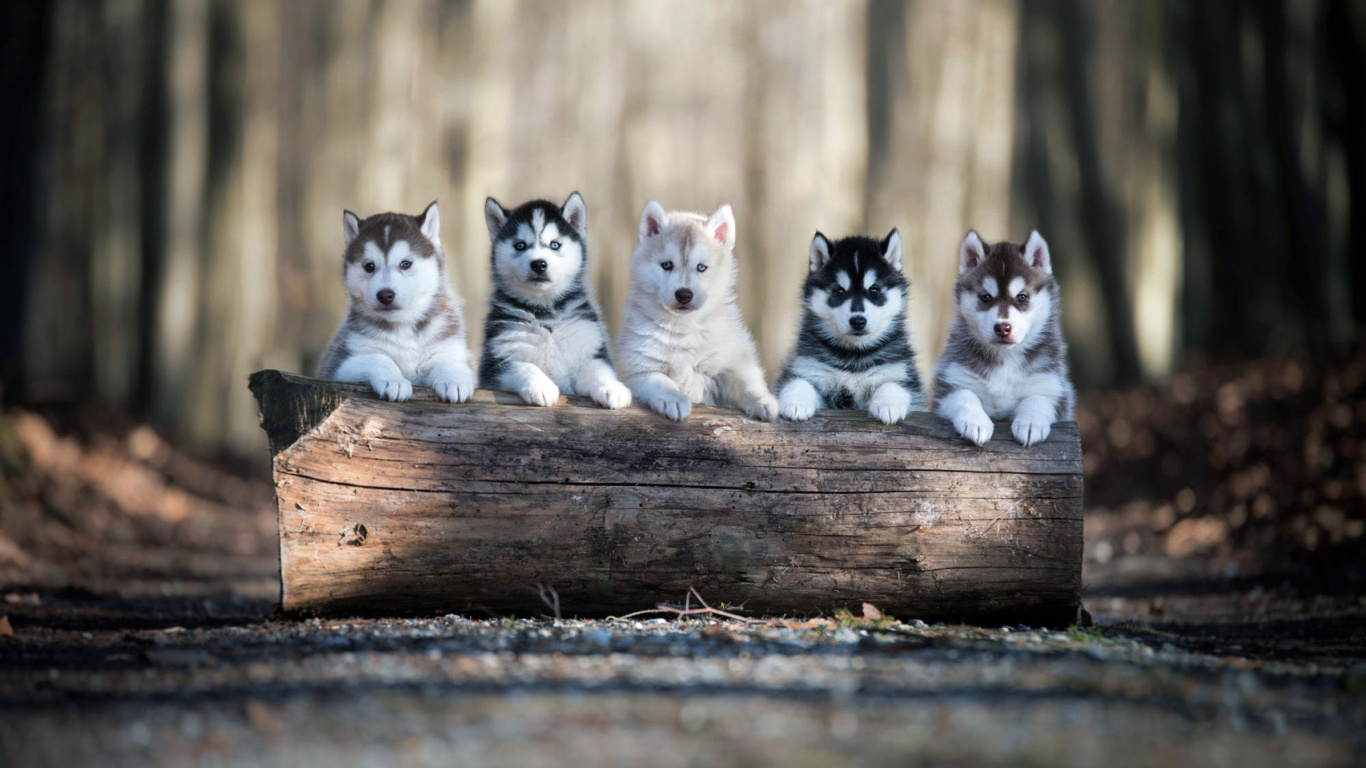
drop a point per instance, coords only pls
(544, 335)
(404, 326)
(853, 347)
(1006, 357)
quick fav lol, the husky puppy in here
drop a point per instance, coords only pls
(1005, 357)
(682, 339)
(543, 334)
(853, 347)
(404, 326)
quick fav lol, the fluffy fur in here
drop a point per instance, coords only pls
(1005, 358)
(543, 335)
(404, 326)
(682, 339)
(853, 347)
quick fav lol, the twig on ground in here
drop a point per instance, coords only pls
(550, 597)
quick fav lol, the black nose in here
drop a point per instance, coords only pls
(683, 295)
(1003, 330)
(385, 296)
(858, 322)
(538, 266)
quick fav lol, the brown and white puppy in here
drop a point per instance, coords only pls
(404, 326)
(1005, 358)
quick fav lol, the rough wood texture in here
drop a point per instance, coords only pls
(427, 506)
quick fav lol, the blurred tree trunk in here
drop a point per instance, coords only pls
(24, 59)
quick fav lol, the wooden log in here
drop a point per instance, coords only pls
(426, 506)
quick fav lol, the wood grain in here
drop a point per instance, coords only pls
(427, 507)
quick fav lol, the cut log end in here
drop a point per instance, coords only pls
(487, 506)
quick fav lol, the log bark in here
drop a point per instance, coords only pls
(427, 507)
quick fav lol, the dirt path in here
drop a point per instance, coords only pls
(140, 585)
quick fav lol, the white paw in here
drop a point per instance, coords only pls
(798, 401)
(763, 409)
(975, 427)
(1029, 430)
(540, 391)
(888, 411)
(675, 406)
(455, 390)
(397, 388)
(612, 394)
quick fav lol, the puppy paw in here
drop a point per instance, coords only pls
(612, 394)
(974, 427)
(541, 391)
(798, 401)
(397, 388)
(674, 406)
(455, 390)
(1030, 430)
(764, 408)
(886, 411)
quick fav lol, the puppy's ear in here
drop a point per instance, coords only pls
(721, 226)
(891, 249)
(430, 222)
(350, 226)
(971, 253)
(652, 220)
(495, 217)
(819, 255)
(575, 211)
(1036, 252)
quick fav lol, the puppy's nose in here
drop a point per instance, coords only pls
(538, 266)
(683, 295)
(1003, 330)
(858, 322)
(385, 296)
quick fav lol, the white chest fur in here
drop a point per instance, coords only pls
(860, 385)
(558, 347)
(1004, 385)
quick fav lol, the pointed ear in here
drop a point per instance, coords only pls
(1036, 252)
(819, 254)
(350, 226)
(891, 249)
(575, 211)
(431, 224)
(721, 226)
(971, 253)
(652, 220)
(495, 217)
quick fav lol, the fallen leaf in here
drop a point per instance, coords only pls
(871, 612)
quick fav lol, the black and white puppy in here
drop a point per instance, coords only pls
(543, 334)
(1006, 357)
(854, 348)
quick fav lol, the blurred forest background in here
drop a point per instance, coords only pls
(175, 170)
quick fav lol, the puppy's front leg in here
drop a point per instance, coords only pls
(661, 394)
(451, 377)
(530, 383)
(1034, 419)
(380, 372)
(798, 399)
(745, 387)
(964, 409)
(596, 379)
(890, 403)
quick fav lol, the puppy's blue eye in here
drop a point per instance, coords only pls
(554, 245)
(519, 245)
(1023, 298)
(668, 266)
(406, 263)
(701, 267)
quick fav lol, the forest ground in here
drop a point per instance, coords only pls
(1225, 571)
